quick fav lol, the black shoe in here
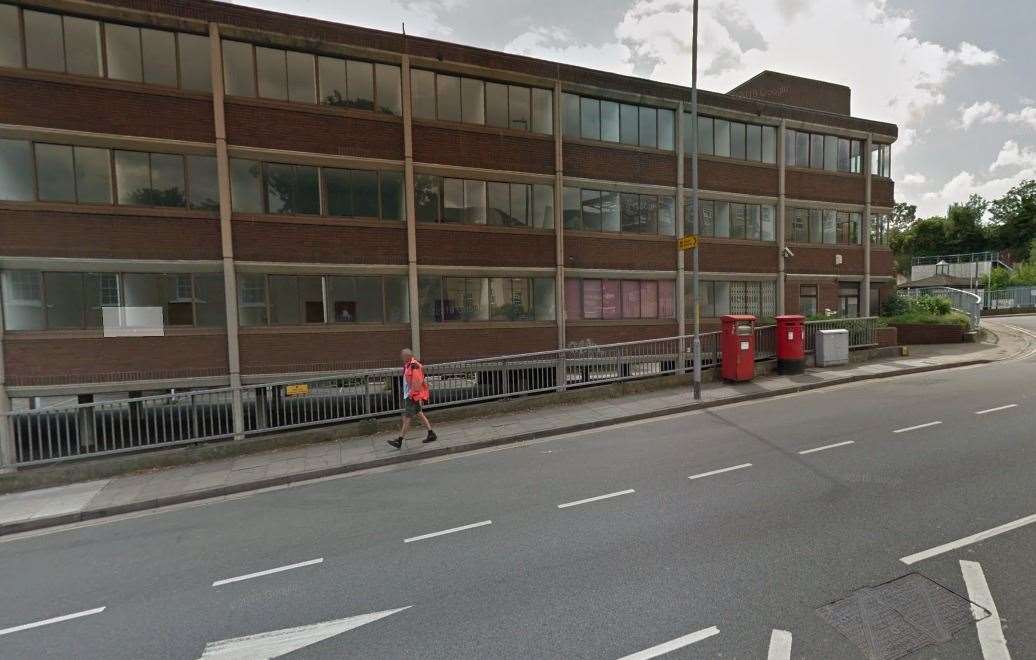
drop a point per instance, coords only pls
(431, 437)
(397, 443)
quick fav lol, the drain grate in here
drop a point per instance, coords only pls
(899, 617)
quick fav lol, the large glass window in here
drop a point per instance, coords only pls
(570, 115)
(590, 118)
(543, 206)
(93, 175)
(473, 101)
(388, 89)
(195, 62)
(754, 142)
(302, 82)
(133, 177)
(23, 300)
(496, 105)
(721, 297)
(83, 46)
(359, 84)
(831, 153)
(849, 299)
(609, 121)
(427, 197)
(245, 186)
(44, 48)
(122, 44)
(592, 299)
(769, 138)
(542, 111)
(453, 98)
(808, 299)
(55, 177)
(203, 183)
(706, 138)
(722, 137)
(10, 37)
(737, 141)
(238, 69)
(648, 127)
(666, 129)
(168, 186)
(447, 94)
(356, 299)
(486, 298)
(272, 73)
(331, 72)
(294, 189)
(519, 107)
(816, 151)
(629, 121)
(158, 51)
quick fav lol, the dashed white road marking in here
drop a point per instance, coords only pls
(674, 644)
(997, 409)
(47, 622)
(271, 571)
(780, 645)
(822, 448)
(596, 499)
(276, 643)
(990, 634)
(919, 426)
(720, 471)
(448, 531)
(968, 540)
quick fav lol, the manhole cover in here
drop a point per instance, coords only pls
(899, 617)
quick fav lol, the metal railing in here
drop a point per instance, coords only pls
(963, 301)
(71, 431)
(956, 258)
(861, 331)
(1010, 298)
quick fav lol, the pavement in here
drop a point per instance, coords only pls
(860, 520)
(226, 477)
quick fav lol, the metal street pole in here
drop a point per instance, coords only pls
(694, 201)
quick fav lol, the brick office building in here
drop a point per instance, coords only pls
(356, 191)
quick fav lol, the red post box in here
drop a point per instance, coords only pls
(791, 344)
(738, 347)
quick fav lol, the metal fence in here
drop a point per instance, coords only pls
(1011, 298)
(962, 301)
(73, 431)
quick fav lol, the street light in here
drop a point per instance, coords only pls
(694, 199)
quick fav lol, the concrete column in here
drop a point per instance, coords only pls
(779, 229)
(865, 230)
(411, 211)
(559, 235)
(226, 231)
(85, 422)
(262, 408)
(681, 307)
(8, 450)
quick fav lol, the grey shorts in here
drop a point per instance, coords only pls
(411, 407)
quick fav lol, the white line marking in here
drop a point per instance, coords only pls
(990, 634)
(47, 622)
(780, 645)
(271, 571)
(277, 643)
(919, 426)
(595, 499)
(822, 448)
(672, 645)
(448, 531)
(968, 540)
(993, 410)
(720, 471)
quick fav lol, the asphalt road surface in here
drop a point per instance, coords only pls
(711, 534)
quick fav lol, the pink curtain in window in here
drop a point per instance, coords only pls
(591, 299)
(631, 299)
(667, 299)
(649, 299)
(610, 300)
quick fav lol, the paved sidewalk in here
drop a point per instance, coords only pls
(160, 487)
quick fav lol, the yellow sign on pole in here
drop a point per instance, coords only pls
(302, 389)
(689, 242)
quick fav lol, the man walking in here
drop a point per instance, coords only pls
(415, 393)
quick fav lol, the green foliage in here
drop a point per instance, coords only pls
(1024, 274)
(919, 316)
(935, 305)
(895, 305)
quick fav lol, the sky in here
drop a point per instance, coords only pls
(951, 73)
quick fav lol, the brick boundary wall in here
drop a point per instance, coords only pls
(885, 337)
(928, 333)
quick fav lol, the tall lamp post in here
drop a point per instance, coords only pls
(694, 200)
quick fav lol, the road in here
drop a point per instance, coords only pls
(590, 545)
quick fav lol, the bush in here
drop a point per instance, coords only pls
(935, 305)
(895, 305)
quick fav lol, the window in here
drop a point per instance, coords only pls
(705, 136)
(252, 300)
(203, 183)
(44, 49)
(55, 178)
(769, 146)
(630, 212)
(392, 204)
(356, 299)
(648, 127)
(158, 51)
(388, 89)
(849, 299)
(590, 118)
(737, 141)
(570, 114)
(543, 206)
(816, 226)
(591, 208)
(830, 226)
(83, 47)
(722, 137)
(830, 153)
(722, 220)
(666, 129)
(798, 225)
(295, 300)
(486, 298)
(816, 151)
(447, 95)
(593, 299)
(843, 155)
(238, 69)
(496, 105)
(879, 229)
(473, 101)
(195, 63)
(801, 149)
(808, 299)
(10, 37)
(422, 93)
(293, 189)
(753, 222)
(667, 215)
(754, 142)
(737, 221)
(856, 148)
(518, 104)
(122, 44)
(23, 300)
(542, 111)
(427, 197)
(629, 124)
(302, 82)
(245, 186)
(331, 72)
(133, 177)
(768, 223)
(359, 85)
(722, 297)
(885, 151)
(609, 121)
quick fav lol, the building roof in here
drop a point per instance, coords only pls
(940, 280)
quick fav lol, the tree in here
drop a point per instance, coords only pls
(1014, 218)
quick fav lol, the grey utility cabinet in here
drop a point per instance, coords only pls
(832, 347)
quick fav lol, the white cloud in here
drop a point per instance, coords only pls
(914, 179)
(971, 55)
(1011, 155)
(965, 184)
(1023, 116)
(558, 44)
(986, 112)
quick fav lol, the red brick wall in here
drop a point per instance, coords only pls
(446, 246)
(883, 192)
(813, 185)
(613, 334)
(105, 110)
(922, 333)
(617, 164)
(885, 337)
(316, 243)
(594, 252)
(827, 295)
(716, 255)
(502, 150)
(311, 131)
(882, 261)
(822, 259)
(54, 234)
(132, 358)
(285, 352)
(460, 343)
(736, 177)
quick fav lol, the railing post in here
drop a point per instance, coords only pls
(366, 394)
(8, 451)
(504, 376)
(85, 421)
